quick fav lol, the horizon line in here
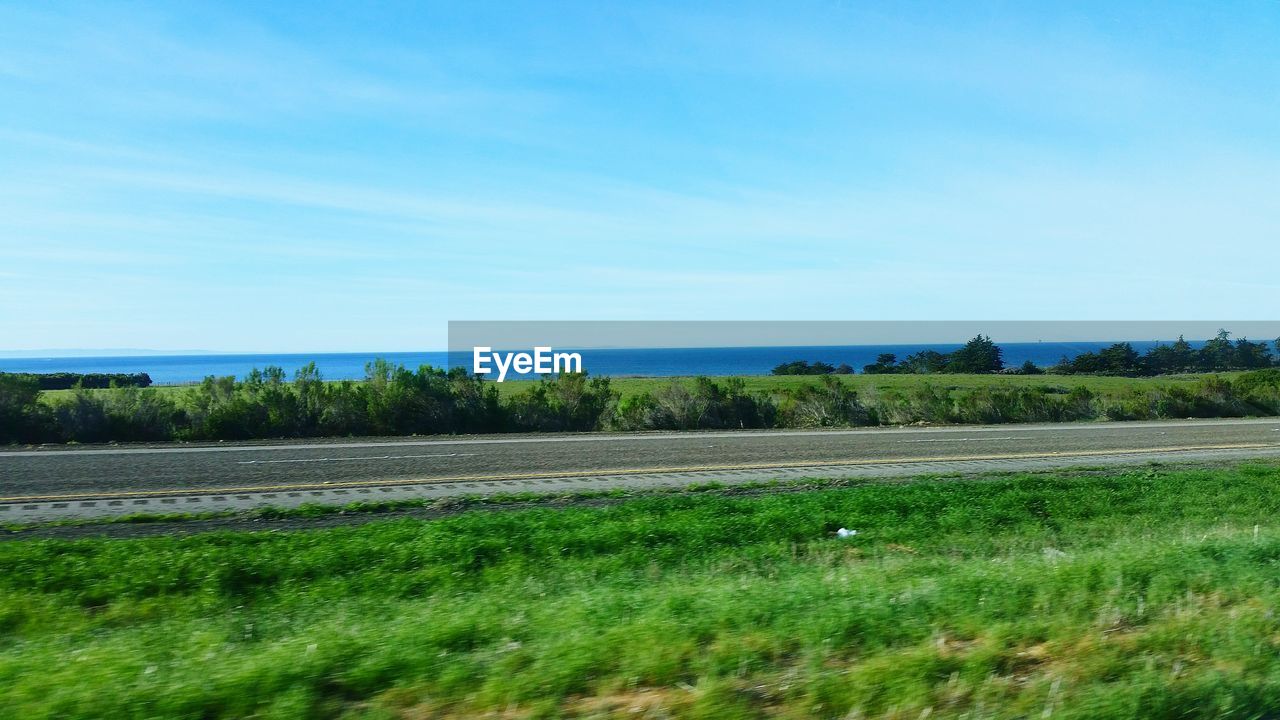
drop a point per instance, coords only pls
(87, 353)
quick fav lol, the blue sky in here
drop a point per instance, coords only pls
(350, 176)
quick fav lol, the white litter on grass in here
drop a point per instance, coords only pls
(846, 533)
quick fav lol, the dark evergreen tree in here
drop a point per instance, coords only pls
(979, 355)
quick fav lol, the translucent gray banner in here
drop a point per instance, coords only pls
(521, 349)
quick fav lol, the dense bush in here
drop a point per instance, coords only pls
(393, 400)
(126, 414)
(926, 403)
(804, 367)
(567, 402)
(704, 404)
(1260, 390)
(22, 418)
(66, 380)
(831, 402)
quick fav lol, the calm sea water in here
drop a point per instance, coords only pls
(176, 369)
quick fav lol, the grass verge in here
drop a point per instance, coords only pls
(633, 386)
(1142, 594)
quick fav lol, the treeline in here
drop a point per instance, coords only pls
(979, 355)
(396, 401)
(1216, 355)
(391, 400)
(982, 356)
(67, 380)
(804, 367)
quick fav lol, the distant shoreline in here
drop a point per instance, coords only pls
(172, 369)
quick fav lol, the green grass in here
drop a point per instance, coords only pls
(49, 396)
(631, 386)
(770, 383)
(1142, 595)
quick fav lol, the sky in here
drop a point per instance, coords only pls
(289, 177)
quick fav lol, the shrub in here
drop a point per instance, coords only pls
(567, 402)
(635, 413)
(1003, 405)
(1260, 390)
(678, 407)
(346, 410)
(1129, 406)
(22, 418)
(476, 408)
(82, 417)
(218, 411)
(698, 404)
(926, 403)
(1211, 397)
(742, 409)
(136, 414)
(1215, 397)
(832, 402)
(1078, 405)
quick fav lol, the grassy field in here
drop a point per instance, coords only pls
(1149, 594)
(770, 383)
(630, 386)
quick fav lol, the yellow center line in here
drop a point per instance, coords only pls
(609, 472)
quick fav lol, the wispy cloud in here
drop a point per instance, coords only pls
(188, 165)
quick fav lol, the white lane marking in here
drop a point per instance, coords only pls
(1190, 425)
(991, 439)
(343, 459)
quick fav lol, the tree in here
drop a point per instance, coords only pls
(1183, 355)
(803, 367)
(1120, 359)
(1217, 353)
(885, 363)
(1251, 355)
(925, 362)
(979, 355)
(1089, 363)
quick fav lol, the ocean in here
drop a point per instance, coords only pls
(614, 362)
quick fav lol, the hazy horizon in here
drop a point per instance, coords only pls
(89, 353)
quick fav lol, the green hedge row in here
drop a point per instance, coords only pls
(67, 380)
(397, 401)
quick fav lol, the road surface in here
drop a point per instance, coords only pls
(96, 480)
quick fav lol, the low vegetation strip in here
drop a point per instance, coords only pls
(67, 380)
(398, 401)
(981, 355)
(1138, 595)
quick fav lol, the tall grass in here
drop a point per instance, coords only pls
(1139, 595)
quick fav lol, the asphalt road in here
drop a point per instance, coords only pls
(86, 472)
